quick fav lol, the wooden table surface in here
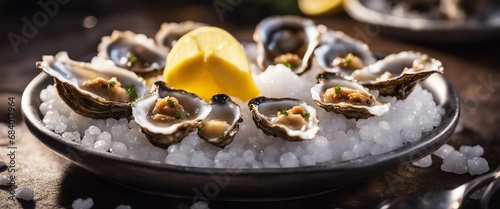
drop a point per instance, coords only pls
(473, 70)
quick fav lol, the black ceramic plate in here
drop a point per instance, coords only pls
(240, 184)
(425, 30)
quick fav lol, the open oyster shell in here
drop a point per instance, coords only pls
(224, 113)
(134, 52)
(360, 104)
(264, 114)
(69, 76)
(164, 134)
(332, 54)
(397, 74)
(169, 33)
(291, 39)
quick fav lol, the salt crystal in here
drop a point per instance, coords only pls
(102, 145)
(123, 207)
(423, 162)
(477, 166)
(443, 151)
(119, 148)
(24, 193)
(470, 152)
(4, 180)
(82, 203)
(200, 205)
(104, 136)
(94, 130)
(289, 159)
(455, 162)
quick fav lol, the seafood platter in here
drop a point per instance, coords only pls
(303, 106)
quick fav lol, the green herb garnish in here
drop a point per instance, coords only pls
(221, 135)
(171, 103)
(287, 64)
(283, 111)
(348, 59)
(178, 116)
(132, 58)
(132, 92)
(146, 64)
(306, 115)
(337, 89)
(200, 127)
(111, 84)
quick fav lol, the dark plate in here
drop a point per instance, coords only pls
(425, 30)
(240, 184)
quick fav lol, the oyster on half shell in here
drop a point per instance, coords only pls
(221, 125)
(288, 118)
(336, 93)
(166, 116)
(98, 89)
(397, 74)
(286, 39)
(134, 52)
(169, 33)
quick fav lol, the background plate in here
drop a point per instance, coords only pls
(423, 30)
(240, 184)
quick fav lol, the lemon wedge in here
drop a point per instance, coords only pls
(320, 7)
(209, 61)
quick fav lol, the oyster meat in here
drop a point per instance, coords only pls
(397, 74)
(221, 125)
(336, 93)
(340, 53)
(134, 52)
(166, 116)
(286, 39)
(288, 118)
(169, 33)
(97, 89)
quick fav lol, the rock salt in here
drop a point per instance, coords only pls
(24, 193)
(82, 203)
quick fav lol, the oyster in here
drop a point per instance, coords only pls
(397, 74)
(221, 125)
(166, 116)
(286, 39)
(97, 89)
(336, 93)
(169, 33)
(456, 10)
(340, 53)
(288, 118)
(134, 52)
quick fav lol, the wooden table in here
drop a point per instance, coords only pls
(471, 68)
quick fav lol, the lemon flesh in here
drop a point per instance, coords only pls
(209, 61)
(320, 7)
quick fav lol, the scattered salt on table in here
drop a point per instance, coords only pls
(4, 180)
(423, 162)
(24, 193)
(82, 203)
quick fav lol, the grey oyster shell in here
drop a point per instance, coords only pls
(224, 109)
(335, 45)
(69, 75)
(264, 113)
(169, 33)
(407, 68)
(330, 80)
(134, 52)
(162, 135)
(279, 35)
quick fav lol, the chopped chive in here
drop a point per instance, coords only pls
(306, 115)
(171, 103)
(348, 59)
(132, 92)
(283, 111)
(132, 58)
(287, 64)
(111, 84)
(221, 135)
(337, 89)
(178, 116)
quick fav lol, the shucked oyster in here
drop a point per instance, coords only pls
(286, 39)
(397, 74)
(167, 115)
(288, 118)
(221, 125)
(343, 96)
(340, 53)
(97, 89)
(134, 52)
(169, 33)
